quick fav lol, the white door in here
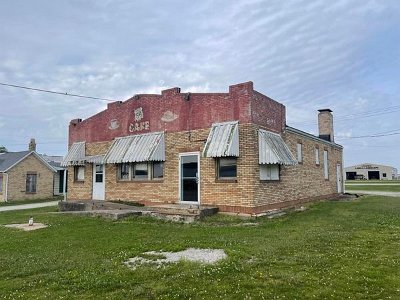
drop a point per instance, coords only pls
(339, 178)
(189, 177)
(98, 182)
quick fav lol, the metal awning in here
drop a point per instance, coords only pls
(137, 148)
(75, 155)
(273, 150)
(95, 159)
(223, 140)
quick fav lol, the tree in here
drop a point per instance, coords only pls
(3, 149)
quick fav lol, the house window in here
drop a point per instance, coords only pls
(299, 152)
(1, 183)
(158, 169)
(326, 167)
(383, 174)
(316, 156)
(124, 171)
(227, 167)
(269, 172)
(140, 171)
(79, 173)
(31, 179)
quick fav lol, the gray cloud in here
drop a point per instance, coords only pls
(306, 54)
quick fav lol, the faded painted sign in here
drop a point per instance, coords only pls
(137, 125)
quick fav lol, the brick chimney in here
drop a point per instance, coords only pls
(32, 145)
(325, 124)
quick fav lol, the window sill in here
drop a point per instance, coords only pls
(270, 180)
(30, 193)
(141, 181)
(228, 180)
(79, 181)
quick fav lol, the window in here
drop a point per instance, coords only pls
(383, 175)
(31, 179)
(124, 171)
(140, 171)
(326, 167)
(79, 173)
(158, 169)
(227, 167)
(316, 156)
(299, 152)
(1, 183)
(269, 172)
(99, 173)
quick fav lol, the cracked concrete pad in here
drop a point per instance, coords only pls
(26, 227)
(207, 256)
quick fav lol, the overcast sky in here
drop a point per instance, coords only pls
(343, 55)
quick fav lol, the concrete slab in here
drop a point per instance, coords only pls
(26, 226)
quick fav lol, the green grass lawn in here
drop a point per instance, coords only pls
(333, 250)
(381, 188)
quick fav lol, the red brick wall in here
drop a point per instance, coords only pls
(168, 112)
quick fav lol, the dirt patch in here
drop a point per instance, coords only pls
(157, 258)
(26, 226)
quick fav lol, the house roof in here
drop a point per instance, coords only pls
(223, 140)
(273, 150)
(10, 159)
(137, 148)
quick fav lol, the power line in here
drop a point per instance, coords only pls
(350, 117)
(55, 92)
(368, 136)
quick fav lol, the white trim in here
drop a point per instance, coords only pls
(339, 178)
(103, 194)
(180, 179)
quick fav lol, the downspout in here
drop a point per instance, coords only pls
(6, 190)
(65, 184)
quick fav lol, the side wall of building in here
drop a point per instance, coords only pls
(17, 180)
(303, 182)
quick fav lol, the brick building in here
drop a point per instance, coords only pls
(26, 175)
(232, 150)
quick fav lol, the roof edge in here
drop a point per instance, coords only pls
(314, 137)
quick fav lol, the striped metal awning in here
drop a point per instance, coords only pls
(95, 159)
(273, 150)
(75, 156)
(137, 148)
(223, 140)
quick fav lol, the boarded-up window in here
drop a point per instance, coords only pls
(79, 173)
(316, 156)
(299, 152)
(326, 166)
(31, 180)
(269, 172)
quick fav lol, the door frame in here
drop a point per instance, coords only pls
(339, 178)
(180, 177)
(94, 181)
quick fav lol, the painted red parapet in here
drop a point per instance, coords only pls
(173, 111)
